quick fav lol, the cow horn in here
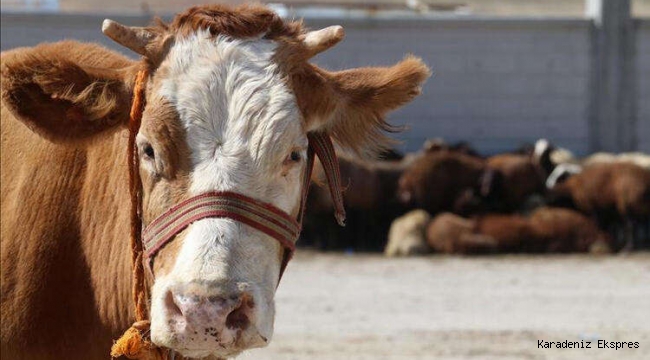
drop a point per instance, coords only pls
(318, 41)
(132, 37)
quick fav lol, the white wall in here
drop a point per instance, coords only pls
(497, 82)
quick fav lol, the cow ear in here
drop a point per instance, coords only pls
(352, 104)
(67, 91)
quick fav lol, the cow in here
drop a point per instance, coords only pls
(230, 100)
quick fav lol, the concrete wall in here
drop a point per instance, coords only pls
(497, 83)
(643, 85)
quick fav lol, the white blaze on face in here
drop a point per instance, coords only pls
(242, 121)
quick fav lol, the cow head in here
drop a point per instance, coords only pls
(229, 100)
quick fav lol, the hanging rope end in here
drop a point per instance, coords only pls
(340, 218)
(134, 345)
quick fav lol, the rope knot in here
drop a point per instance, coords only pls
(135, 344)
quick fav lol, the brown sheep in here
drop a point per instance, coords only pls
(438, 144)
(448, 233)
(611, 192)
(564, 230)
(546, 230)
(370, 201)
(437, 180)
(519, 177)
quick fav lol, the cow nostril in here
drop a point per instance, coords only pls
(238, 319)
(170, 304)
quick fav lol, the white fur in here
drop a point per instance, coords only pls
(561, 170)
(637, 158)
(540, 146)
(407, 234)
(241, 121)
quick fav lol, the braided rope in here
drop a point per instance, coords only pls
(322, 145)
(221, 204)
(135, 343)
(135, 187)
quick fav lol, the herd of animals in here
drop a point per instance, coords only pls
(447, 198)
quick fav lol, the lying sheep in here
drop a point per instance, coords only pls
(452, 234)
(547, 230)
(564, 230)
(407, 234)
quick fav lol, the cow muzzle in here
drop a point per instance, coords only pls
(197, 322)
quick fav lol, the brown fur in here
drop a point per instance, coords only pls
(546, 230)
(563, 230)
(243, 21)
(437, 180)
(620, 187)
(356, 101)
(369, 195)
(84, 89)
(367, 184)
(65, 248)
(451, 234)
(519, 178)
(511, 232)
(65, 259)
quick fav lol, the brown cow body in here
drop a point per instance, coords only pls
(66, 268)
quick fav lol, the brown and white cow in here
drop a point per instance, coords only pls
(230, 98)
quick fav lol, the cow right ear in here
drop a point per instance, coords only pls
(67, 91)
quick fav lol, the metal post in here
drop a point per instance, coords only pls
(612, 108)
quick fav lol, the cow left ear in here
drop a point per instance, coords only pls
(351, 105)
(67, 91)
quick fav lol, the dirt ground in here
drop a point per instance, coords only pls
(336, 306)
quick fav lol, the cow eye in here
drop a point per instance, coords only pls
(148, 151)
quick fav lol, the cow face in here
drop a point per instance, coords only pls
(229, 101)
(220, 117)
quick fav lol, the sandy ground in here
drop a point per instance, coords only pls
(334, 306)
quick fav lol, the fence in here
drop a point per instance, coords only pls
(498, 83)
